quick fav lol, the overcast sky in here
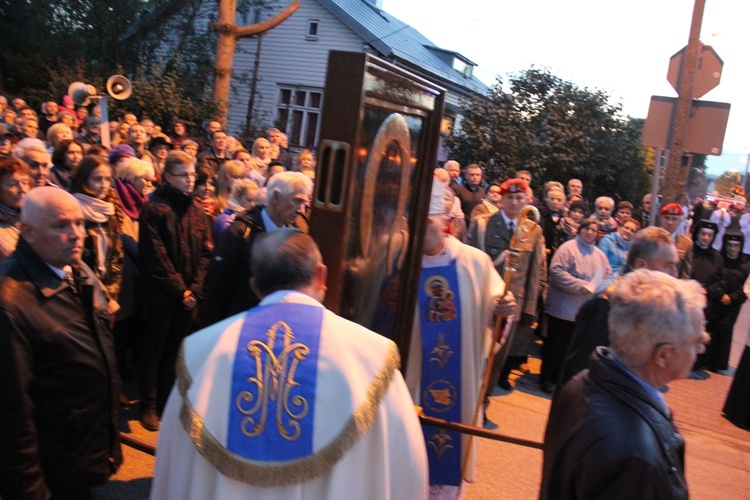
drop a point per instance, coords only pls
(622, 48)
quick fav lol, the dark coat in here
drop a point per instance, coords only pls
(705, 266)
(60, 388)
(227, 289)
(174, 248)
(721, 325)
(470, 198)
(608, 438)
(111, 278)
(591, 331)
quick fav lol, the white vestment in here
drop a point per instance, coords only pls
(478, 285)
(385, 456)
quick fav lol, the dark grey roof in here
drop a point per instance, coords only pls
(395, 39)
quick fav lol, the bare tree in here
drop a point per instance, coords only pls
(228, 33)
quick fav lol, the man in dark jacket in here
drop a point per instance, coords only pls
(174, 253)
(59, 383)
(652, 248)
(610, 433)
(227, 290)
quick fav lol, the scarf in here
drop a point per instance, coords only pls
(131, 200)
(99, 212)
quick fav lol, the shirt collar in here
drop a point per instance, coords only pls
(267, 222)
(650, 389)
(508, 221)
(60, 272)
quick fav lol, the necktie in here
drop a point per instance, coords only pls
(510, 227)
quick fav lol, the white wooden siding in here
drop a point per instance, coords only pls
(287, 58)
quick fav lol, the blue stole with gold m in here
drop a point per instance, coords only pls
(440, 326)
(272, 403)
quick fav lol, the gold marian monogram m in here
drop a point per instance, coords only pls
(274, 381)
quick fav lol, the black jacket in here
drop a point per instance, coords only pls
(591, 331)
(60, 388)
(174, 248)
(227, 288)
(608, 438)
(705, 266)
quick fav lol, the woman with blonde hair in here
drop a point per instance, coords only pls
(262, 155)
(58, 132)
(305, 159)
(229, 173)
(241, 199)
(244, 156)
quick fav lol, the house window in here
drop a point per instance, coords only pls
(462, 67)
(312, 29)
(298, 115)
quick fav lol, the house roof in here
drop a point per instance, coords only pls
(395, 39)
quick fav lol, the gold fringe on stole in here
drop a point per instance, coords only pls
(271, 474)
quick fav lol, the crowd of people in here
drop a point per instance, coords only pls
(151, 239)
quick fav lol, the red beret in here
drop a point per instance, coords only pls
(672, 209)
(514, 186)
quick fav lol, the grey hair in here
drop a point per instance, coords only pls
(287, 183)
(132, 168)
(647, 243)
(442, 175)
(648, 308)
(29, 145)
(605, 199)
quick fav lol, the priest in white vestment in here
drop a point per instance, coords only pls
(251, 417)
(481, 292)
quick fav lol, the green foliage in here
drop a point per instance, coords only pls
(697, 184)
(162, 97)
(557, 131)
(41, 33)
(726, 182)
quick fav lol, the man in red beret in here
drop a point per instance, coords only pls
(492, 234)
(670, 217)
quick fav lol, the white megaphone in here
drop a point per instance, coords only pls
(119, 87)
(81, 93)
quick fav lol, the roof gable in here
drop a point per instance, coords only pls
(395, 39)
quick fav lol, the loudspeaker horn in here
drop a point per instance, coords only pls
(81, 93)
(119, 87)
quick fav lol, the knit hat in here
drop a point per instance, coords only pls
(119, 152)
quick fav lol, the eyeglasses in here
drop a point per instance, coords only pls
(186, 175)
(149, 179)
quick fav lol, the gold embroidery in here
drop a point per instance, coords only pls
(271, 474)
(443, 352)
(439, 443)
(274, 381)
(441, 396)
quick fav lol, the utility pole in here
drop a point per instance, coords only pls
(677, 168)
